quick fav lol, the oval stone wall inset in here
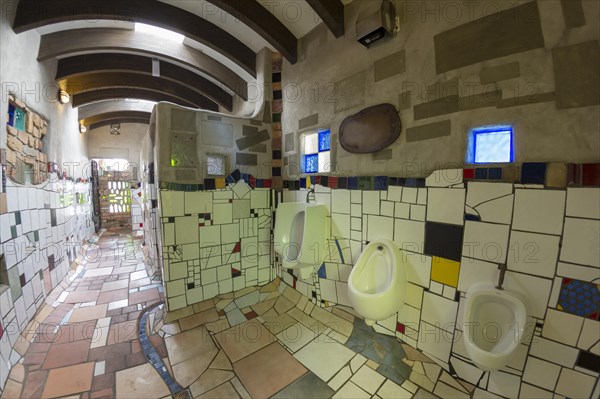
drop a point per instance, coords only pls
(371, 129)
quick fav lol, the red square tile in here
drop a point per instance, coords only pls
(591, 174)
(400, 328)
(468, 173)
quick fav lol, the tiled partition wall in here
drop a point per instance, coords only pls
(455, 234)
(41, 236)
(214, 242)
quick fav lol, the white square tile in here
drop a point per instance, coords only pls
(583, 202)
(504, 384)
(580, 242)
(529, 392)
(230, 233)
(486, 241)
(434, 341)
(324, 357)
(574, 384)
(380, 227)
(422, 196)
(590, 334)
(222, 213)
(414, 295)
(355, 196)
(186, 230)
(446, 205)
(171, 203)
(198, 202)
(439, 311)
(387, 208)
(409, 316)
(340, 225)
(535, 289)
(210, 235)
(371, 202)
(533, 253)
(540, 211)
(554, 352)
(259, 198)
(409, 195)
(356, 224)
(394, 193)
(328, 290)
(417, 212)
(340, 201)
(402, 210)
(418, 268)
(368, 379)
(296, 336)
(356, 210)
(473, 271)
(480, 192)
(444, 178)
(562, 327)
(409, 235)
(541, 373)
(584, 273)
(342, 293)
(497, 211)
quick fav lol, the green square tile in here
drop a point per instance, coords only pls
(36, 235)
(18, 218)
(365, 183)
(13, 231)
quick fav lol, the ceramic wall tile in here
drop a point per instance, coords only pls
(539, 211)
(394, 193)
(486, 241)
(473, 271)
(541, 373)
(533, 253)
(554, 352)
(439, 311)
(417, 212)
(172, 203)
(409, 235)
(186, 230)
(370, 204)
(402, 210)
(444, 240)
(445, 271)
(584, 273)
(446, 205)
(380, 227)
(418, 268)
(434, 341)
(387, 208)
(259, 198)
(535, 289)
(504, 384)
(340, 225)
(590, 335)
(555, 327)
(574, 384)
(222, 213)
(580, 242)
(583, 202)
(340, 201)
(409, 195)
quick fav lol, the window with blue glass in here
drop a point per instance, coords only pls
(491, 145)
(16, 117)
(317, 150)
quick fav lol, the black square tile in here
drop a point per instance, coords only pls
(589, 361)
(443, 240)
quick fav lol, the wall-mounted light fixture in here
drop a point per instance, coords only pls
(63, 97)
(115, 129)
(82, 128)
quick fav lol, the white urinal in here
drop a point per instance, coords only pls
(377, 283)
(300, 236)
(493, 325)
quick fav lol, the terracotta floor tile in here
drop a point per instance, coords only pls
(150, 295)
(34, 384)
(198, 319)
(268, 371)
(75, 332)
(225, 391)
(103, 381)
(244, 339)
(34, 358)
(69, 380)
(12, 390)
(89, 313)
(140, 382)
(190, 344)
(67, 354)
(107, 352)
(82, 296)
(122, 332)
(112, 296)
(209, 380)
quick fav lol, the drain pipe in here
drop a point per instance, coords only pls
(310, 191)
(501, 276)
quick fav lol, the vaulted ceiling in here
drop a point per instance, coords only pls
(101, 56)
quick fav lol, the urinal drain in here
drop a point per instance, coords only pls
(380, 248)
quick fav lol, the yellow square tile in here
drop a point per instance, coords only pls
(220, 182)
(445, 271)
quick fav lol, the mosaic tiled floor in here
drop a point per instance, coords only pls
(260, 342)
(271, 342)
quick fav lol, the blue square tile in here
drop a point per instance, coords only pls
(324, 141)
(353, 183)
(322, 271)
(495, 173)
(533, 173)
(381, 183)
(311, 163)
(481, 173)
(302, 183)
(410, 182)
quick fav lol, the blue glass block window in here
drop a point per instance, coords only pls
(491, 145)
(16, 117)
(316, 152)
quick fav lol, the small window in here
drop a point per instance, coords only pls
(491, 145)
(16, 117)
(317, 152)
(215, 165)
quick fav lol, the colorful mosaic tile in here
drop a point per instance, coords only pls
(580, 298)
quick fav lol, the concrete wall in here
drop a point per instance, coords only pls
(339, 77)
(102, 144)
(34, 84)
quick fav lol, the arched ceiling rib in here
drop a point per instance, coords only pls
(81, 41)
(121, 95)
(33, 14)
(93, 81)
(332, 13)
(264, 23)
(104, 107)
(108, 118)
(116, 62)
